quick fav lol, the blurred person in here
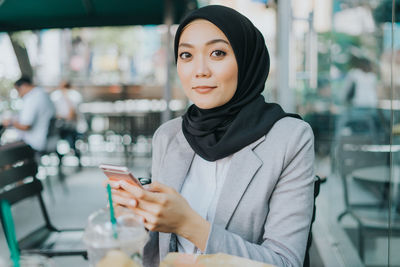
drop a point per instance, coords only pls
(361, 85)
(35, 115)
(361, 115)
(66, 101)
(234, 174)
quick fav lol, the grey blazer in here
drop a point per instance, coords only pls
(265, 207)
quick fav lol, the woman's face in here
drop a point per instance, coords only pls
(206, 65)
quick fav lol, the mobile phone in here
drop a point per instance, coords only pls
(116, 173)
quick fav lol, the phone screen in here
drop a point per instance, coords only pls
(116, 173)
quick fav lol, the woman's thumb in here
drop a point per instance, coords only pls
(157, 187)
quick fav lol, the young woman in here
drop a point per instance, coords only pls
(234, 174)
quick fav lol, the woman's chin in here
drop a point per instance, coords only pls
(205, 105)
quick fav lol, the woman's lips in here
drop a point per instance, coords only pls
(204, 89)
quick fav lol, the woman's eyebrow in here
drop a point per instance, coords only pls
(208, 43)
(217, 41)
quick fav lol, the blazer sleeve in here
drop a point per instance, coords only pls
(287, 224)
(151, 250)
(159, 145)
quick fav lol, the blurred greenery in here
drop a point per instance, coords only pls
(335, 49)
(5, 86)
(383, 12)
(113, 54)
(124, 39)
(336, 53)
(338, 49)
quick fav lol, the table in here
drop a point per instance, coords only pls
(371, 148)
(377, 174)
(381, 175)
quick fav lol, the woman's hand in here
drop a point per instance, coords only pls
(6, 122)
(163, 210)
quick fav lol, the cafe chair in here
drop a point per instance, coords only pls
(52, 139)
(18, 181)
(2, 130)
(373, 217)
(317, 185)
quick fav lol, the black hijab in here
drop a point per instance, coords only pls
(219, 132)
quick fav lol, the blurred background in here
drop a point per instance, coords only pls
(335, 62)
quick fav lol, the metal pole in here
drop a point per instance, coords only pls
(312, 53)
(285, 70)
(22, 56)
(168, 20)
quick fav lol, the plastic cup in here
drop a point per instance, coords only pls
(104, 249)
(30, 260)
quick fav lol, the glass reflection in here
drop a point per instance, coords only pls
(354, 114)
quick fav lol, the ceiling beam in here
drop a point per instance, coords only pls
(89, 7)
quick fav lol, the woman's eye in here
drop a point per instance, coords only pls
(218, 53)
(185, 55)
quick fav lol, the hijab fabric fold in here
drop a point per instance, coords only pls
(219, 132)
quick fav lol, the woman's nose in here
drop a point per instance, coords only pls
(202, 69)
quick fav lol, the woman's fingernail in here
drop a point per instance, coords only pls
(132, 202)
(147, 187)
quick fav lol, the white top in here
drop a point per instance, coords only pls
(201, 189)
(64, 102)
(37, 110)
(365, 91)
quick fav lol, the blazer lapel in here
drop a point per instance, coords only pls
(244, 165)
(174, 171)
(180, 156)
